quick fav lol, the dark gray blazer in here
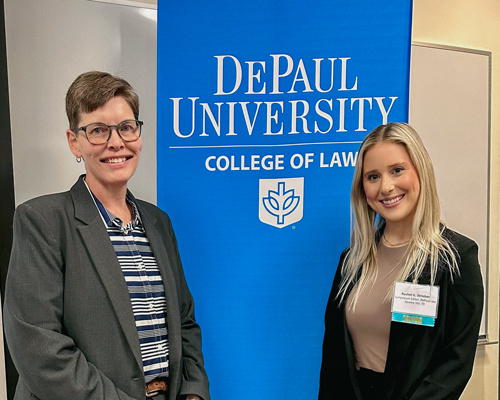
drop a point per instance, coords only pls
(68, 318)
(423, 363)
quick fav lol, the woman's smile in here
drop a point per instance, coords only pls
(392, 201)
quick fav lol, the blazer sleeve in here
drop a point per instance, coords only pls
(194, 378)
(49, 363)
(451, 368)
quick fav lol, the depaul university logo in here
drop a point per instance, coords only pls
(281, 201)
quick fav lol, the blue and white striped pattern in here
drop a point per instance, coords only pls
(145, 287)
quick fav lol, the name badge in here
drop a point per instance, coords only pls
(415, 304)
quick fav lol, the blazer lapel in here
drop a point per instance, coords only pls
(400, 340)
(103, 257)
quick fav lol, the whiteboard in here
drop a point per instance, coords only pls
(450, 108)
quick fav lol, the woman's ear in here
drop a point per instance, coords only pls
(73, 143)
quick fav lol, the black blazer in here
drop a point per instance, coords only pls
(68, 319)
(423, 363)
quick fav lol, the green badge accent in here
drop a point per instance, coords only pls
(413, 319)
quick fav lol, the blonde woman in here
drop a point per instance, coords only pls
(368, 351)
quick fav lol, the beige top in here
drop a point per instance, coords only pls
(369, 325)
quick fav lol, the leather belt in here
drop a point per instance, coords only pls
(155, 387)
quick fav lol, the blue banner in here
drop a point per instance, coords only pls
(262, 106)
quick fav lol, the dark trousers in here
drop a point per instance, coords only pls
(371, 383)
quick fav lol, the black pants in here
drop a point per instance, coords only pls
(371, 383)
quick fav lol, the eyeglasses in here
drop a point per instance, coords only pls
(99, 133)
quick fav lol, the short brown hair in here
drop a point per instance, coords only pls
(91, 90)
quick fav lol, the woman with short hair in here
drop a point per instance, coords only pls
(96, 304)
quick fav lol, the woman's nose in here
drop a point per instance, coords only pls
(387, 185)
(115, 140)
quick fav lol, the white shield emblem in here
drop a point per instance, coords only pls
(281, 201)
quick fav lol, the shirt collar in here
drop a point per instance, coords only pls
(109, 219)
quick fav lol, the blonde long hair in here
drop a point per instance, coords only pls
(427, 242)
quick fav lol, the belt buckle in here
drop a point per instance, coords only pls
(155, 386)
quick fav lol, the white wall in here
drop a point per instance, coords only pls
(49, 43)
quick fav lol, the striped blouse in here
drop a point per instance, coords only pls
(145, 286)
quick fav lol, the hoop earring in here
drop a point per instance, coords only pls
(78, 159)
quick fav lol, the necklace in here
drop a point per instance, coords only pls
(394, 244)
